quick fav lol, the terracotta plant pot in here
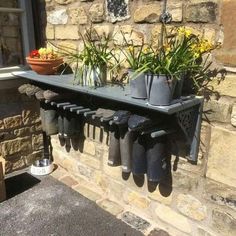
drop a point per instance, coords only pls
(44, 67)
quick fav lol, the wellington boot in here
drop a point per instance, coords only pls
(156, 154)
(126, 143)
(51, 122)
(114, 158)
(139, 161)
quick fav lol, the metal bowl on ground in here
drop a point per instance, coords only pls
(42, 167)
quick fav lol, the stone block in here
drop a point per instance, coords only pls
(203, 232)
(176, 10)
(37, 142)
(50, 34)
(173, 218)
(224, 223)
(96, 13)
(126, 33)
(205, 11)
(137, 200)
(117, 10)
(111, 207)
(22, 131)
(89, 147)
(157, 196)
(148, 13)
(191, 207)
(92, 195)
(116, 190)
(219, 111)
(10, 31)
(233, 116)
(220, 194)
(64, 2)
(57, 17)
(15, 146)
(226, 87)
(158, 232)
(69, 181)
(2, 125)
(2, 191)
(103, 30)
(90, 161)
(135, 221)
(78, 16)
(16, 163)
(67, 32)
(221, 165)
(12, 122)
(30, 113)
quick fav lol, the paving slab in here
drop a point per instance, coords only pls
(49, 207)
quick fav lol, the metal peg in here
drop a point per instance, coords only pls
(59, 105)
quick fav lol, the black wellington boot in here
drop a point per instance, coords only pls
(69, 125)
(42, 116)
(60, 125)
(157, 155)
(51, 122)
(121, 120)
(139, 161)
(114, 158)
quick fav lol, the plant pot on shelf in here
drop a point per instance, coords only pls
(160, 89)
(137, 85)
(44, 67)
(94, 76)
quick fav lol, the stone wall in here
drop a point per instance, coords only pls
(20, 128)
(199, 200)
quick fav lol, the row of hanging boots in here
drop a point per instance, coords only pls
(136, 153)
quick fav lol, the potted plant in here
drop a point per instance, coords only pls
(44, 61)
(95, 59)
(181, 53)
(136, 58)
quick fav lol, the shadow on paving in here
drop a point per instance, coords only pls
(47, 207)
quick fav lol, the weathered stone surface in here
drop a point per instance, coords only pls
(210, 34)
(37, 142)
(96, 13)
(233, 116)
(117, 10)
(50, 34)
(89, 147)
(30, 114)
(202, 11)
(15, 146)
(158, 232)
(227, 54)
(57, 17)
(203, 232)
(66, 32)
(10, 31)
(169, 216)
(78, 16)
(137, 200)
(68, 180)
(222, 156)
(111, 207)
(126, 33)
(157, 196)
(227, 87)
(2, 125)
(103, 30)
(90, 161)
(22, 132)
(64, 2)
(12, 122)
(147, 13)
(176, 10)
(191, 207)
(218, 110)
(135, 221)
(88, 193)
(224, 222)
(220, 194)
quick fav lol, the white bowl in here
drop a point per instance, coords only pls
(41, 167)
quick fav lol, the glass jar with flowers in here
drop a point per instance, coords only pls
(44, 61)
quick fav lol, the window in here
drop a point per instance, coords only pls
(16, 32)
